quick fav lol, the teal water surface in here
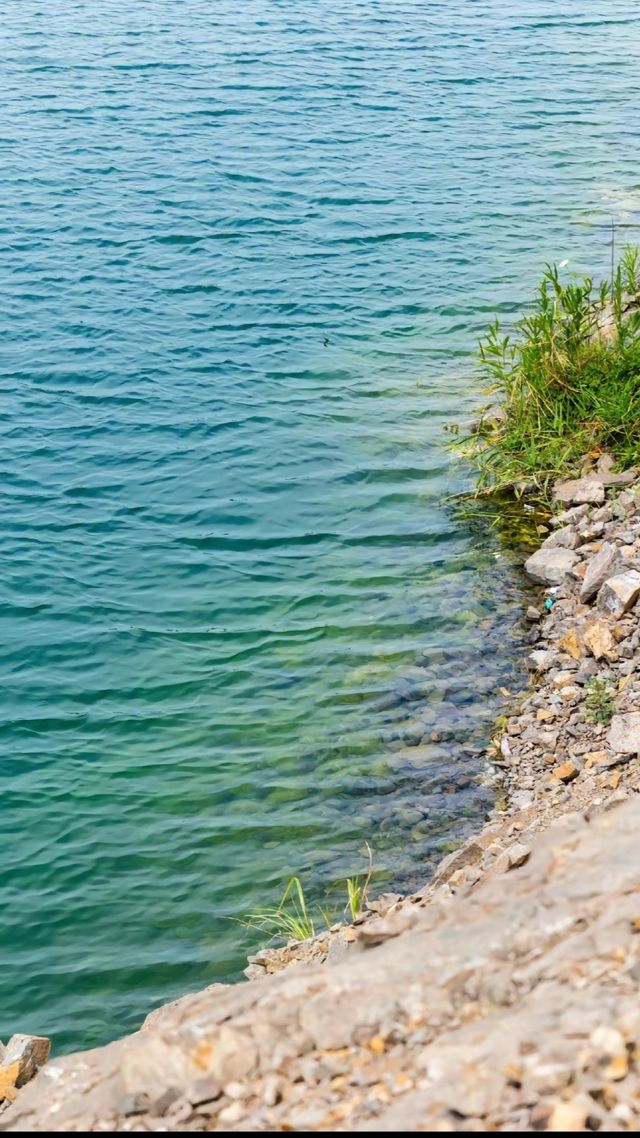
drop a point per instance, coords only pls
(246, 251)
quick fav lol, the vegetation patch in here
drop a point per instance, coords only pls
(566, 384)
(599, 702)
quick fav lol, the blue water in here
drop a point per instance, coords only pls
(246, 252)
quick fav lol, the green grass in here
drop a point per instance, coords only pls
(290, 920)
(357, 889)
(599, 702)
(567, 383)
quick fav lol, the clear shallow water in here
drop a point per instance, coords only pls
(246, 251)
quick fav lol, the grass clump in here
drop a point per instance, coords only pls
(290, 920)
(567, 383)
(357, 889)
(599, 702)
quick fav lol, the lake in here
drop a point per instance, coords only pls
(246, 254)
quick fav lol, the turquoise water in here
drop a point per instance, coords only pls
(246, 251)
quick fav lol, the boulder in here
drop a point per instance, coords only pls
(624, 733)
(570, 517)
(580, 491)
(599, 640)
(623, 478)
(566, 538)
(28, 1053)
(599, 568)
(618, 594)
(550, 566)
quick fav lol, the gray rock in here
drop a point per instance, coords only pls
(570, 517)
(540, 660)
(619, 594)
(550, 566)
(627, 500)
(590, 530)
(578, 491)
(622, 478)
(624, 733)
(604, 514)
(565, 538)
(533, 613)
(513, 858)
(600, 567)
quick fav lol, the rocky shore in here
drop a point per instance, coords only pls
(501, 996)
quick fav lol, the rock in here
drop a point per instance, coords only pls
(624, 733)
(622, 478)
(569, 692)
(627, 500)
(562, 679)
(590, 530)
(8, 1079)
(570, 517)
(565, 538)
(540, 660)
(599, 568)
(579, 491)
(596, 758)
(588, 668)
(533, 613)
(568, 1116)
(513, 858)
(605, 463)
(468, 855)
(571, 644)
(30, 1052)
(550, 566)
(599, 640)
(383, 903)
(566, 772)
(618, 594)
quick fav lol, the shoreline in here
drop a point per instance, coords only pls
(567, 755)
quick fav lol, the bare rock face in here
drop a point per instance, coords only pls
(624, 733)
(550, 566)
(30, 1052)
(580, 491)
(19, 1062)
(618, 594)
(600, 567)
(376, 1041)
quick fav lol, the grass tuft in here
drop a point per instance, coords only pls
(599, 702)
(357, 889)
(290, 920)
(566, 384)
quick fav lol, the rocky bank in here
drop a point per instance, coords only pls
(505, 994)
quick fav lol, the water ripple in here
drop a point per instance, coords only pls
(246, 253)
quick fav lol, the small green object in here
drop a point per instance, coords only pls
(548, 604)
